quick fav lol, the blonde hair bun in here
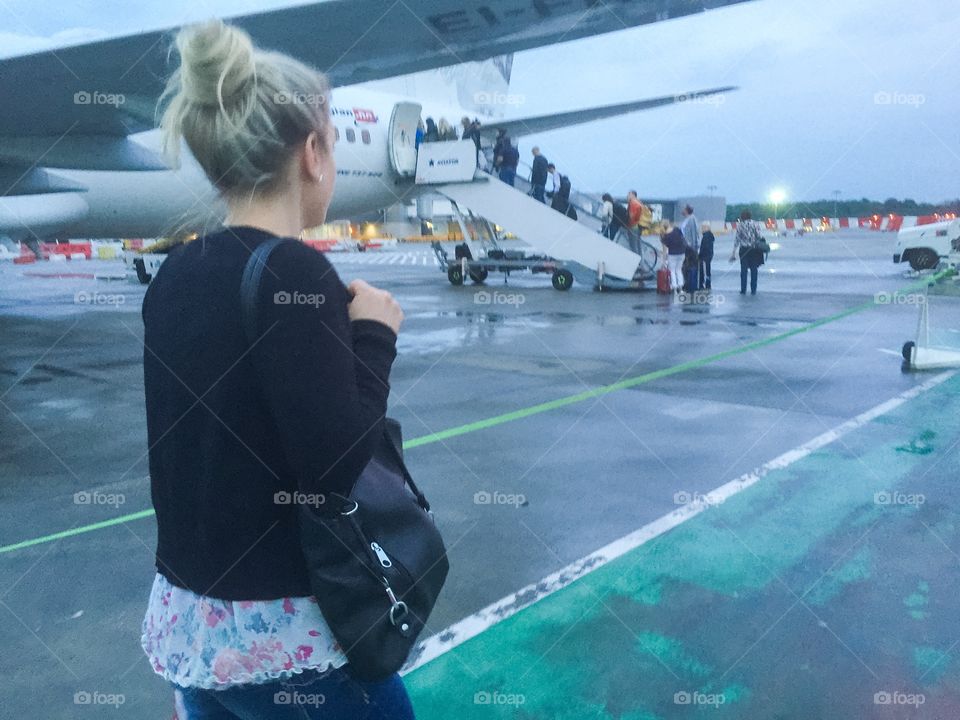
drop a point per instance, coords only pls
(242, 111)
(217, 63)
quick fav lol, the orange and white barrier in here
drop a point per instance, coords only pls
(881, 223)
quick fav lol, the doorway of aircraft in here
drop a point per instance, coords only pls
(402, 137)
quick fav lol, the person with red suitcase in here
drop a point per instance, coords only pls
(674, 252)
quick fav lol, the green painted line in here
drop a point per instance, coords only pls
(76, 531)
(542, 407)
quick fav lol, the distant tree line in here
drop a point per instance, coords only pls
(843, 208)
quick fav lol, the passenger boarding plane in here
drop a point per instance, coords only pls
(82, 159)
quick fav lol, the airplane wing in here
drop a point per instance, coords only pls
(518, 127)
(108, 89)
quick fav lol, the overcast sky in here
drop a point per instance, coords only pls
(859, 96)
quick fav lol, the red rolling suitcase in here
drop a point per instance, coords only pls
(663, 281)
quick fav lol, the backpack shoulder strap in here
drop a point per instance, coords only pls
(250, 286)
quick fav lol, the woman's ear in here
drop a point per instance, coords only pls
(313, 157)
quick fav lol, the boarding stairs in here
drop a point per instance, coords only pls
(592, 259)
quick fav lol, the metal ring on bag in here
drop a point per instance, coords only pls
(401, 605)
(352, 510)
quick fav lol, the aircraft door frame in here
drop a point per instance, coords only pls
(401, 138)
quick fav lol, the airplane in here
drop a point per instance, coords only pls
(85, 162)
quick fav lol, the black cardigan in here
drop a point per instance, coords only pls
(230, 425)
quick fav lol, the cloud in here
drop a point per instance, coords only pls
(806, 115)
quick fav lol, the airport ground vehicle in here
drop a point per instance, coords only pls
(924, 246)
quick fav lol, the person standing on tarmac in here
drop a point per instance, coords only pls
(747, 244)
(674, 252)
(706, 255)
(690, 228)
(231, 622)
(691, 235)
(538, 175)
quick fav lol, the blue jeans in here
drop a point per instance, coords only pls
(746, 267)
(333, 695)
(507, 174)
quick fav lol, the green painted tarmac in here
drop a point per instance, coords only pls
(822, 591)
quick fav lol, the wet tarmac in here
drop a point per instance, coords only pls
(598, 414)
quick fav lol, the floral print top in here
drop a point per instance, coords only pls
(196, 641)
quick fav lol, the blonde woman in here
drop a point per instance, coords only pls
(446, 130)
(234, 427)
(674, 252)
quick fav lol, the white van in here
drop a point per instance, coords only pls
(924, 246)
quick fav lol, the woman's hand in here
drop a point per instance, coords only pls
(370, 303)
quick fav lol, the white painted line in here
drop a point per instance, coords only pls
(458, 633)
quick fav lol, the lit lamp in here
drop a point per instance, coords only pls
(777, 197)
